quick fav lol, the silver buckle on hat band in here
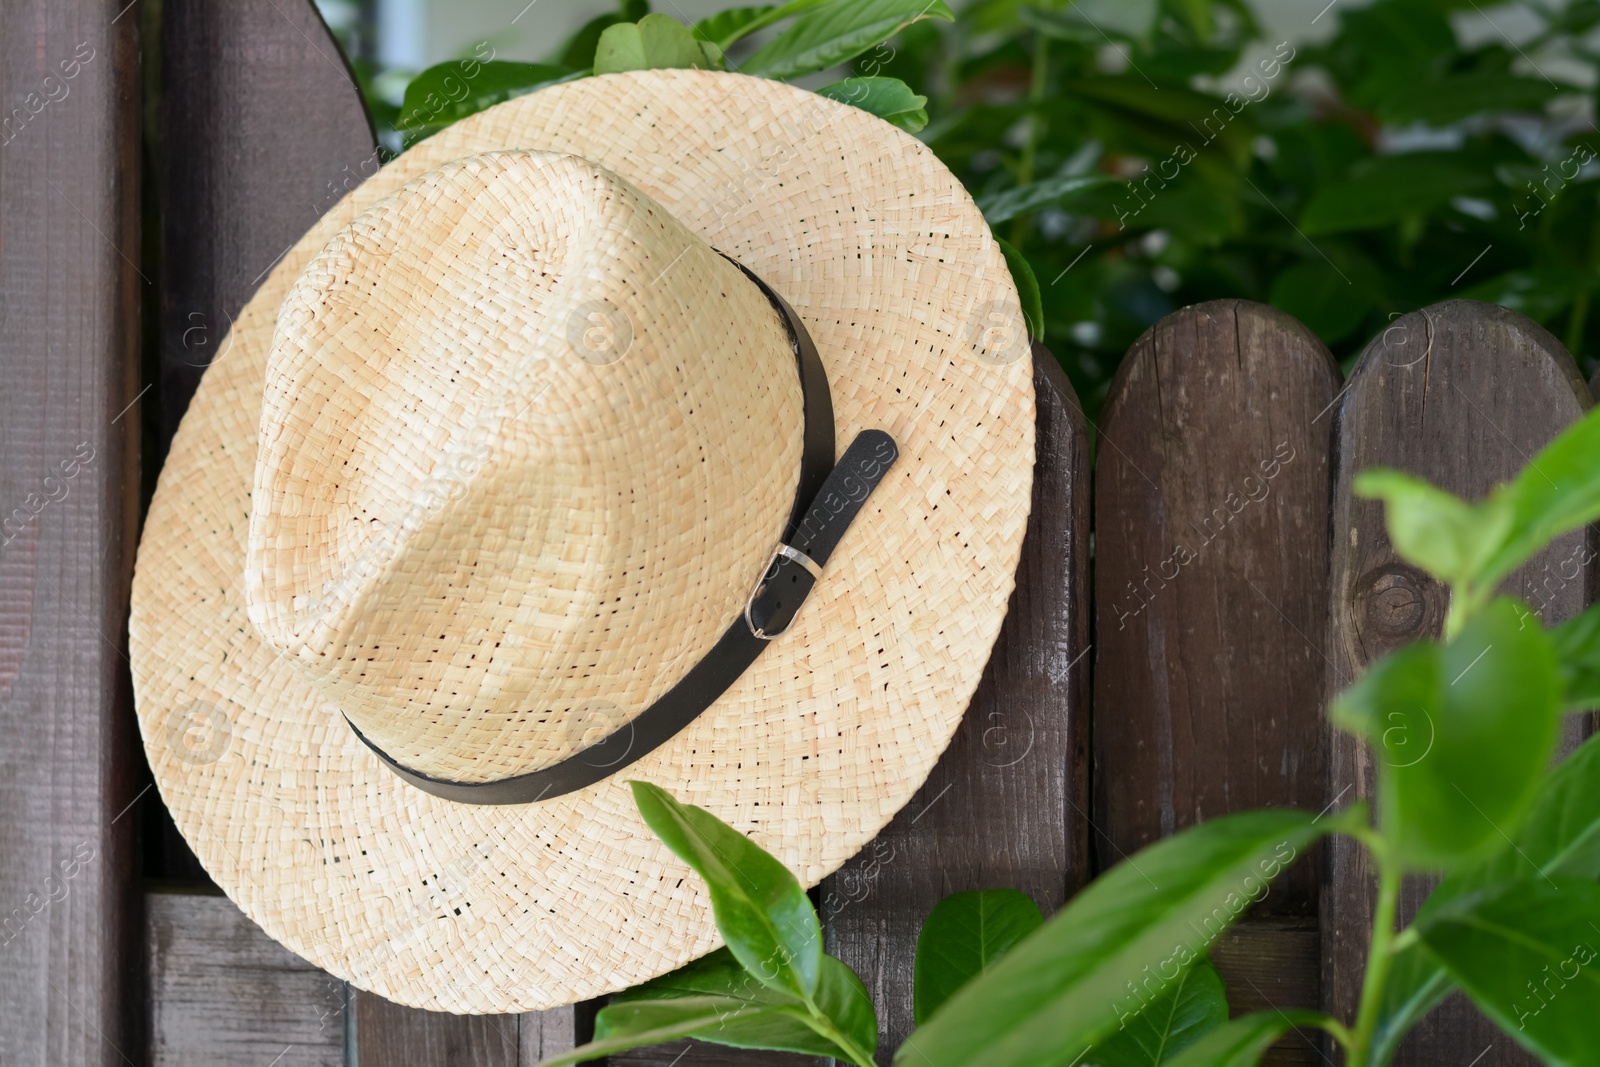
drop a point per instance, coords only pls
(783, 551)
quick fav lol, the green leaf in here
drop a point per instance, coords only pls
(888, 98)
(963, 935)
(1190, 1008)
(655, 42)
(1526, 953)
(1560, 837)
(1559, 490)
(1387, 189)
(1438, 531)
(782, 1022)
(578, 51)
(838, 31)
(448, 92)
(763, 914)
(1027, 288)
(1047, 192)
(1130, 933)
(1462, 733)
(1576, 644)
(1441, 101)
(1241, 1042)
(726, 27)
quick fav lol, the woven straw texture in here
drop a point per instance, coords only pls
(460, 515)
(503, 909)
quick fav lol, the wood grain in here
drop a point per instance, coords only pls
(1003, 805)
(222, 992)
(1462, 394)
(1211, 518)
(70, 290)
(389, 1035)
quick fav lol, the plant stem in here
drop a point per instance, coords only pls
(823, 1024)
(1379, 956)
(1037, 81)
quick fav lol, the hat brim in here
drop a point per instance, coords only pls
(474, 909)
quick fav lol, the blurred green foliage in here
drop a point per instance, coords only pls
(1387, 167)
(1347, 182)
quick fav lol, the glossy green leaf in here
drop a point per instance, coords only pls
(1559, 838)
(963, 936)
(1048, 192)
(763, 914)
(1437, 530)
(655, 42)
(1441, 101)
(1576, 643)
(1528, 954)
(888, 98)
(1130, 933)
(1186, 1011)
(1027, 288)
(1242, 1042)
(838, 31)
(1461, 734)
(1387, 189)
(1559, 490)
(782, 1023)
(448, 92)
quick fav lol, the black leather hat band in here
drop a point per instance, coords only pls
(827, 499)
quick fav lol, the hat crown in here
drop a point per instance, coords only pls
(526, 441)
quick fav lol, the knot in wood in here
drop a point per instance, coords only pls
(1392, 602)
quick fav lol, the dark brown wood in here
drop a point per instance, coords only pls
(1460, 393)
(223, 992)
(1004, 805)
(388, 1034)
(1211, 518)
(1268, 964)
(263, 130)
(70, 289)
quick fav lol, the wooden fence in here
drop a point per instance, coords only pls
(1237, 583)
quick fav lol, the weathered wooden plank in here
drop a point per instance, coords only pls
(1460, 393)
(388, 1034)
(1269, 964)
(998, 809)
(1211, 518)
(222, 992)
(69, 358)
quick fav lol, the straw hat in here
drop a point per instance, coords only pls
(461, 530)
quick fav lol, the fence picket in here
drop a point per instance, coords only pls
(1211, 519)
(1460, 393)
(70, 292)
